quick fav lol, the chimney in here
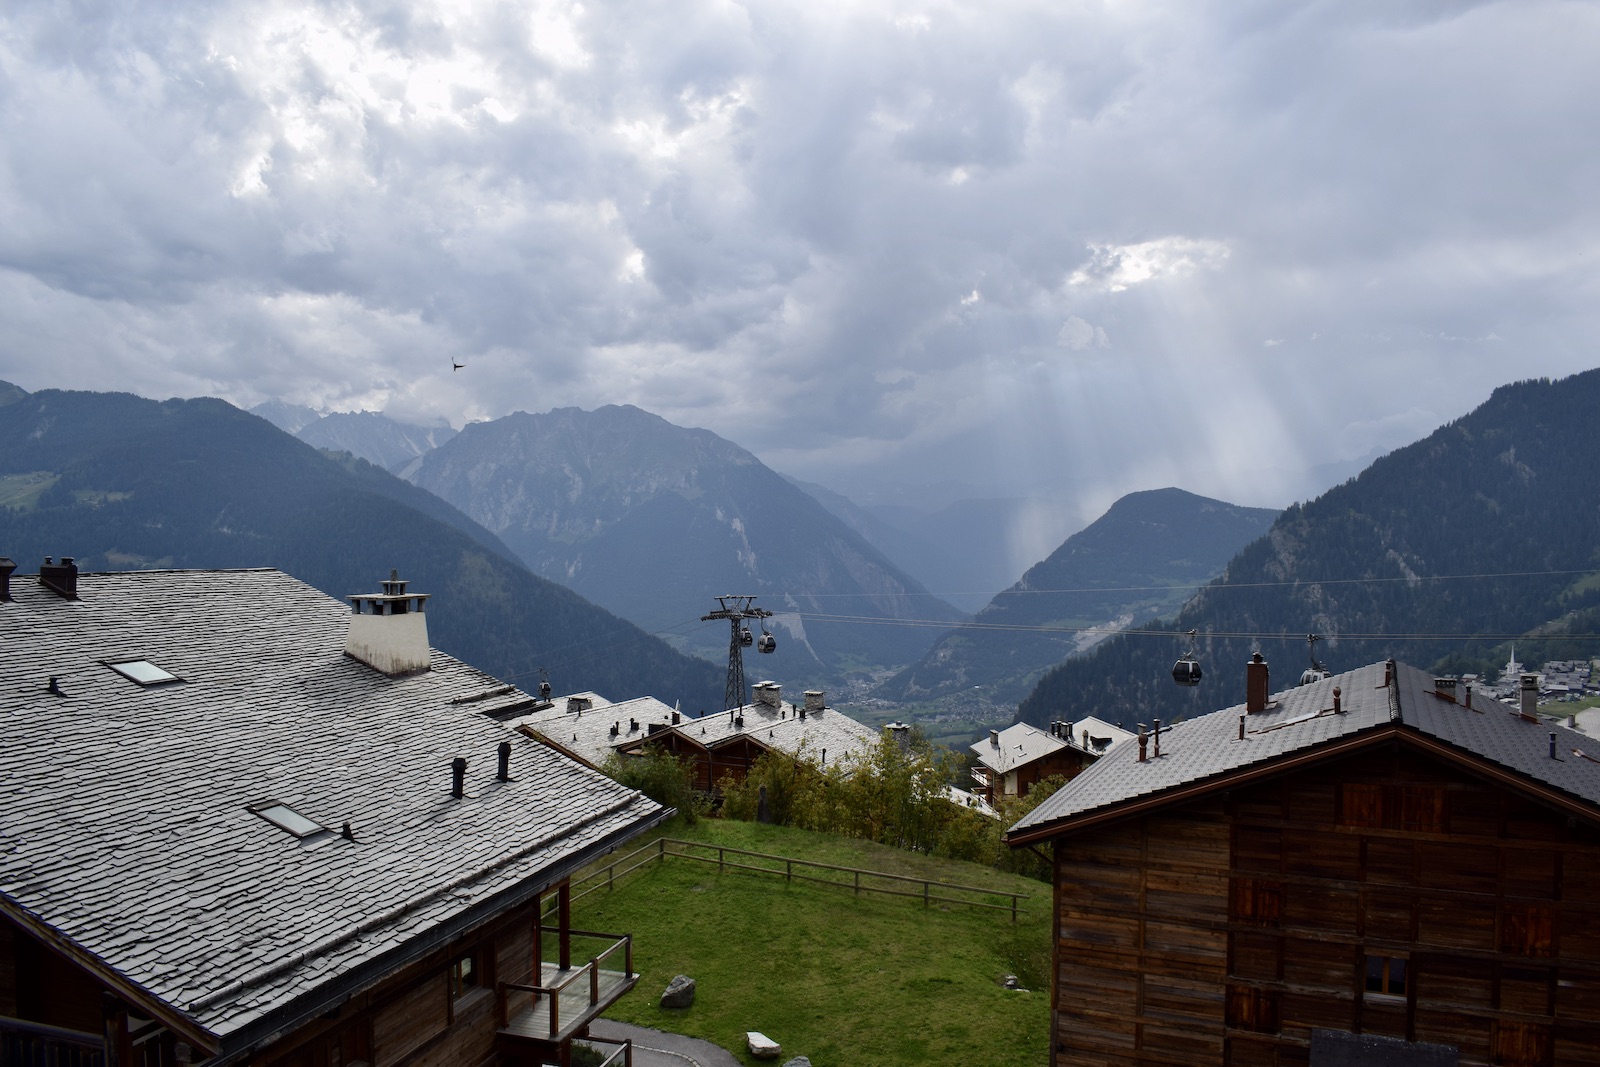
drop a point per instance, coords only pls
(458, 777)
(388, 630)
(1256, 684)
(60, 578)
(994, 738)
(1445, 687)
(504, 772)
(7, 566)
(578, 705)
(1530, 696)
(768, 693)
(675, 719)
(901, 732)
(816, 701)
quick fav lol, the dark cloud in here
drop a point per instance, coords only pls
(1060, 250)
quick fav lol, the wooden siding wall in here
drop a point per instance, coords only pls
(39, 985)
(1227, 933)
(1142, 941)
(412, 1020)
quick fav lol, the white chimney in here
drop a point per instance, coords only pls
(388, 630)
(816, 701)
(768, 693)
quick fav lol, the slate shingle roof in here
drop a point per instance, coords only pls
(1016, 746)
(589, 734)
(1300, 721)
(125, 824)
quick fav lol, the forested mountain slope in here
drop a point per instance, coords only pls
(1437, 552)
(1144, 556)
(122, 483)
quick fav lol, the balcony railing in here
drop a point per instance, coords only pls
(25, 1044)
(565, 1001)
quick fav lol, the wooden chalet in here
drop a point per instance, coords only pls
(242, 823)
(721, 745)
(1369, 869)
(1014, 760)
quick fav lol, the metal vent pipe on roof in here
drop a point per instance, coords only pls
(7, 567)
(458, 777)
(504, 772)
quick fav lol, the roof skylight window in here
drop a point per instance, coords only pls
(286, 818)
(143, 672)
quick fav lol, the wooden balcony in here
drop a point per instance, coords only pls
(25, 1044)
(566, 1001)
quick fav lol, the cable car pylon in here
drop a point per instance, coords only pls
(736, 609)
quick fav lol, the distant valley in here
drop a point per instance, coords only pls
(652, 520)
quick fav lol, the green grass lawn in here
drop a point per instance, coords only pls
(862, 981)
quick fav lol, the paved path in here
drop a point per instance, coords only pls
(654, 1048)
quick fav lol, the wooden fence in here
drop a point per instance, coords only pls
(855, 879)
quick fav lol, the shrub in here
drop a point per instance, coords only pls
(663, 778)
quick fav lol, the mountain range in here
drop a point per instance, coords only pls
(1439, 553)
(122, 483)
(371, 435)
(1145, 555)
(652, 521)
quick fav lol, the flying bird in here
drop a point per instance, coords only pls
(454, 366)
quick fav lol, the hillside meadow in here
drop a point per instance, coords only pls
(874, 981)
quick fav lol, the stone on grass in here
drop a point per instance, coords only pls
(762, 1047)
(799, 1061)
(680, 993)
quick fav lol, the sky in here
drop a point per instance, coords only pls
(1057, 250)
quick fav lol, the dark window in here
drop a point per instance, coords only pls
(1387, 975)
(463, 975)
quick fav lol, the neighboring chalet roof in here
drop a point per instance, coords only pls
(584, 729)
(780, 727)
(127, 835)
(1021, 743)
(1102, 734)
(587, 734)
(1016, 746)
(1203, 754)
